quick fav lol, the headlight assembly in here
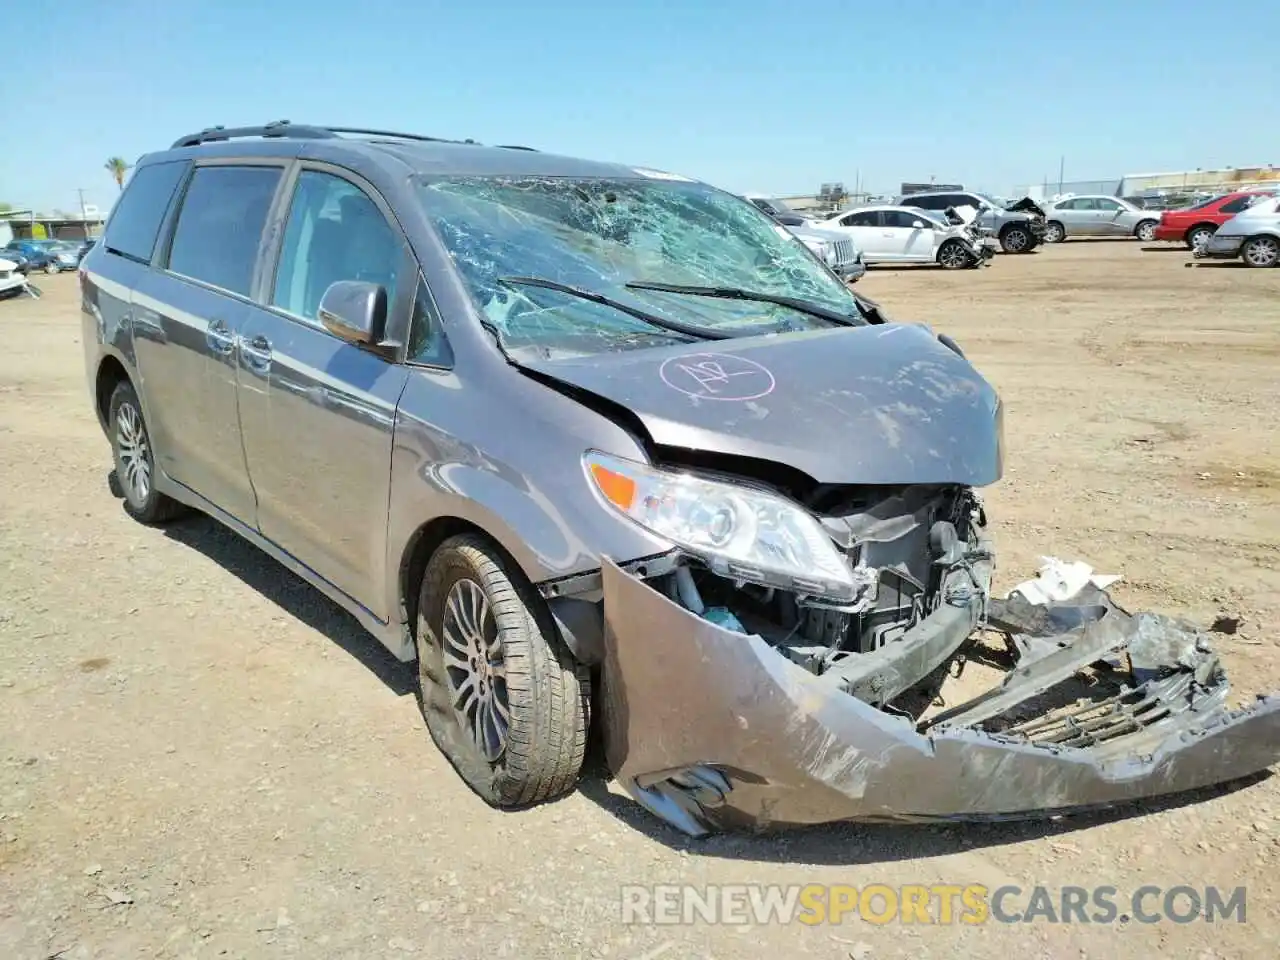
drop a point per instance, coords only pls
(737, 531)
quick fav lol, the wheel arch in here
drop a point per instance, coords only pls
(111, 373)
(422, 546)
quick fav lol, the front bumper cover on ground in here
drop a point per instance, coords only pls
(709, 728)
(1221, 247)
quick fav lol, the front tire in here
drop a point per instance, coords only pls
(1146, 231)
(135, 459)
(1054, 232)
(953, 256)
(51, 267)
(1016, 240)
(1261, 251)
(503, 698)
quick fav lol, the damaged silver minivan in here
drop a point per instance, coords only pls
(583, 438)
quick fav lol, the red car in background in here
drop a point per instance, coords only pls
(1195, 225)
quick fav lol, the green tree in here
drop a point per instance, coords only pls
(118, 167)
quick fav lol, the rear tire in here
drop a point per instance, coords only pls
(1145, 231)
(1261, 251)
(502, 696)
(135, 459)
(1054, 232)
(1199, 235)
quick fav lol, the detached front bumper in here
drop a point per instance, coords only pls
(986, 248)
(709, 728)
(1219, 247)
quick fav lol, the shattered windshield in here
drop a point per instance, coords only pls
(598, 235)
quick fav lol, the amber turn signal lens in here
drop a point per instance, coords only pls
(618, 489)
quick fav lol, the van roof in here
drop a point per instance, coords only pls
(420, 153)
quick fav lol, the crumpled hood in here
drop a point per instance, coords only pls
(1027, 205)
(885, 404)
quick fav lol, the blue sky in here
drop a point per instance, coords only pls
(760, 95)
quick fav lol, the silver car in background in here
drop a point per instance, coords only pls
(1253, 235)
(1098, 216)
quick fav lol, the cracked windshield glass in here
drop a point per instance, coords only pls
(599, 235)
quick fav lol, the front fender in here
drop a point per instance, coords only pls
(527, 491)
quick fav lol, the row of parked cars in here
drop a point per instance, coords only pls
(958, 229)
(19, 258)
(1243, 223)
(954, 229)
(49, 256)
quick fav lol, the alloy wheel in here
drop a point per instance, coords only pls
(1146, 231)
(1015, 241)
(135, 451)
(1262, 252)
(953, 256)
(1053, 233)
(476, 668)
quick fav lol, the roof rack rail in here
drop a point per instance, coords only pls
(278, 128)
(286, 129)
(361, 131)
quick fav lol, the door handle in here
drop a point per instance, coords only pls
(220, 338)
(257, 352)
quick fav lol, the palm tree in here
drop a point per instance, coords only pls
(117, 166)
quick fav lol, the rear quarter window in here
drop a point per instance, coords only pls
(135, 222)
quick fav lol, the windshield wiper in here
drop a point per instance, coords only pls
(737, 293)
(675, 326)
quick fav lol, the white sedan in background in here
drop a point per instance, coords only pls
(12, 280)
(894, 234)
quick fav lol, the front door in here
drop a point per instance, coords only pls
(907, 240)
(187, 315)
(1111, 218)
(318, 412)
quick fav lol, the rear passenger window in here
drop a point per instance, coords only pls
(220, 225)
(335, 232)
(141, 209)
(867, 218)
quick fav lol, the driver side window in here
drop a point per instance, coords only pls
(334, 232)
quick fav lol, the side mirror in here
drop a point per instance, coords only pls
(917, 224)
(354, 310)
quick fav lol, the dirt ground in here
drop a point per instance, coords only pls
(203, 757)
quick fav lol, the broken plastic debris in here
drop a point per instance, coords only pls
(1058, 581)
(723, 617)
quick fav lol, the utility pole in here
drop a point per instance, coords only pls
(1062, 164)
